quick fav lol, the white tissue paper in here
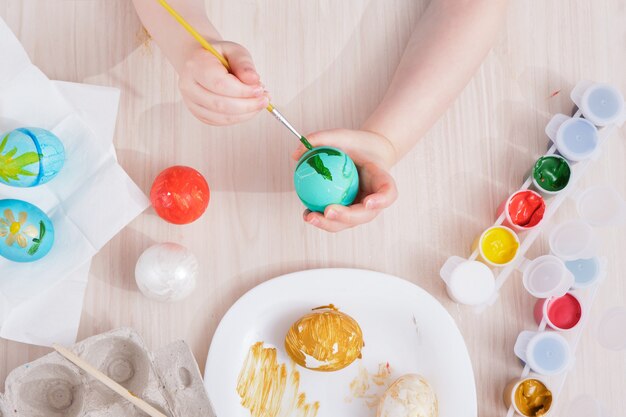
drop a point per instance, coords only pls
(89, 202)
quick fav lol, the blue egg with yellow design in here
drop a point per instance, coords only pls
(326, 176)
(30, 156)
(26, 232)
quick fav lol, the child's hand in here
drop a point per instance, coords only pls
(373, 155)
(216, 96)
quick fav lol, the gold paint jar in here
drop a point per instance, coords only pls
(530, 397)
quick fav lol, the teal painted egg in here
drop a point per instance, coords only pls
(326, 176)
(26, 232)
(30, 156)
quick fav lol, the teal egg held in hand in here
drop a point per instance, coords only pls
(30, 156)
(326, 176)
(26, 232)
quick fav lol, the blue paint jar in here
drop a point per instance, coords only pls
(577, 139)
(546, 353)
(586, 271)
(602, 105)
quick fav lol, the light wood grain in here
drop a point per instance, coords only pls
(327, 63)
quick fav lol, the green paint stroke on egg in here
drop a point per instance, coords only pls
(37, 241)
(11, 167)
(317, 164)
(30, 157)
(552, 173)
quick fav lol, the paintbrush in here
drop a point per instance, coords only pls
(206, 45)
(112, 385)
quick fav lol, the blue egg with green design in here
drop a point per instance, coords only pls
(30, 156)
(26, 232)
(326, 176)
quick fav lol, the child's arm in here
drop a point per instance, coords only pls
(449, 43)
(209, 91)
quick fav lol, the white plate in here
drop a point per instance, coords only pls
(402, 325)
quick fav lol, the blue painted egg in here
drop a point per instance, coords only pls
(26, 232)
(30, 156)
(326, 176)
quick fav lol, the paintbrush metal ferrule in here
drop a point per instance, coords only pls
(278, 115)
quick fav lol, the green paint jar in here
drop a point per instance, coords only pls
(551, 174)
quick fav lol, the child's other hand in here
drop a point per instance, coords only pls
(373, 155)
(217, 97)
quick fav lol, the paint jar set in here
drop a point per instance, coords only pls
(566, 280)
(168, 379)
(500, 249)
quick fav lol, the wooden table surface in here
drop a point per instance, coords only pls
(327, 63)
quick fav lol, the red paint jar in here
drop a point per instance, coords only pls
(523, 210)
(561, 313)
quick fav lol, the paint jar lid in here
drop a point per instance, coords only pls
(572, 240)
(586, 271)
(585, 406)
(471, 283)
(611, 331)
(577, 139)
(601, 206)
(547, 276)
(602, 104)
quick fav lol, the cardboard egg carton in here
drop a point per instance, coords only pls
(168, 379)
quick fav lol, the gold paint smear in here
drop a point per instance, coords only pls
(267, 389)
(361, 386)
(325, 340)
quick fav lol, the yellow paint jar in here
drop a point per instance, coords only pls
(497, 246)
(530, 397)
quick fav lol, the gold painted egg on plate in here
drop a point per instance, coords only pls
(325, 340)
(410, 396)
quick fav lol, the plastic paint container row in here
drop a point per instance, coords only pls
(566, 280)
(574, 244)
(553, 176)
(571, 264)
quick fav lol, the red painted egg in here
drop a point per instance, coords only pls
(180, 195)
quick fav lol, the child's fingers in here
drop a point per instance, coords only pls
(241, 63)
(217, 119)
(318, 220)
(383, 186)
(297, 154)
(211, 74)
(226, 105)
(351, 216)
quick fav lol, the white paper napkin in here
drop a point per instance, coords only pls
(89, 202)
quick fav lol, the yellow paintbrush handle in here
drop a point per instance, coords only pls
(206, 45)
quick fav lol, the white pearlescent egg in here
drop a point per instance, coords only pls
(166, 272)
(409, 396)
